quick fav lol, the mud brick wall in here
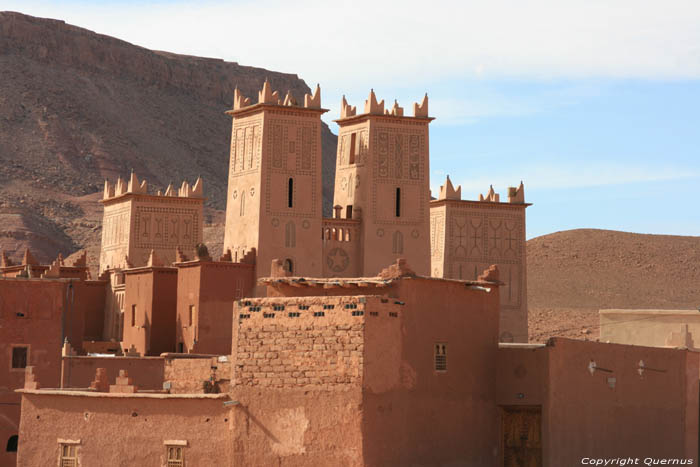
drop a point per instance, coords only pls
(301, 342)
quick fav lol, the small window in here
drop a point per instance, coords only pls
(290, 193)
(133, 315)
(398, 202)
(288, 265)
(12, 444)
(348, 211)
(175, 456)
(69, 455)
(353, 143)
(19, 357)
(440, 357)
(191, 314)
(181, 347)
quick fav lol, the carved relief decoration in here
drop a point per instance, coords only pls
(166, 227)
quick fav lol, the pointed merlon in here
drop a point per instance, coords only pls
(447, 191)
(396, 111)
(120, 187)
(371, 105)
(4, 260)
(184, 191)
(109, 190)
(289, 100)
(239, 101)
(198, 189)
(179, 255)
(170, 191)
(346, 110)
(517, 195)
(314, 101)
(491, 196)
(154, 260)
(266, 96)
(134, 186)
(28, 259)
(422, 109)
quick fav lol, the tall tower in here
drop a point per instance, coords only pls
(383, 178)
(136, 222)
(275, 188)
(468, 236)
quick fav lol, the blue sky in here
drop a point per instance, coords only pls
(594, 104)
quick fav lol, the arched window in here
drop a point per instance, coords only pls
(290, 193)
(288, 265)
(12, 444)
(398, 202)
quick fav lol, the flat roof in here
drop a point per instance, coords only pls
(650, 311)
(119, 395)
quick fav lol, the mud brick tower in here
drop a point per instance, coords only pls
(467, 236)
(274, 190)
(383, 179)
(135, 223)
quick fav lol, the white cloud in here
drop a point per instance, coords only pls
(364, 43)
(559, 178)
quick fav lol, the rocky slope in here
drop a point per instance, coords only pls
(573, 274)
(77, 107)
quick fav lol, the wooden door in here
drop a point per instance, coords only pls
(522, 436)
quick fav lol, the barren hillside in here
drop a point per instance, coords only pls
(77, 107)
(572, 274)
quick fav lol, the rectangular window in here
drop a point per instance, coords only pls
(353, 150)
(191, 314)
(133, 315)
(69, 455)
(440, 357)
(175, 456)
(19, 357)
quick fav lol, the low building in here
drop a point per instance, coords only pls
(654, 328)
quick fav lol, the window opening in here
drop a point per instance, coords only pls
(19, 357)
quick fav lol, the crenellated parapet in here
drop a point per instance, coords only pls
(515, 195)
(375, 107)
(447, 191)
(269, 97)
(136, 187)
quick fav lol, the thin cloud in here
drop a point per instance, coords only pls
(372, 43)
(555, 178)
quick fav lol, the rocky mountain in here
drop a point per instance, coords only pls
(573, 274)
(78, 107)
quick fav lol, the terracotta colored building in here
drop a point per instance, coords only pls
(150, 303)
(206, 291)
(136, 222)
(468, 236)
(654, 328)
(274, 189)
(569, 400)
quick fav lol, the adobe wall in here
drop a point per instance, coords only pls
(85, 312)
(211, 288)
(154, 293)
(654, 328)
(188, 375)
(522, 375)
(79, 371)
(272, 349)
(299, 379)
(41, 302)
(653, 415)
(413, 413)
(626, 414)
(124, 429)
(469, 236)
(9, 424)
